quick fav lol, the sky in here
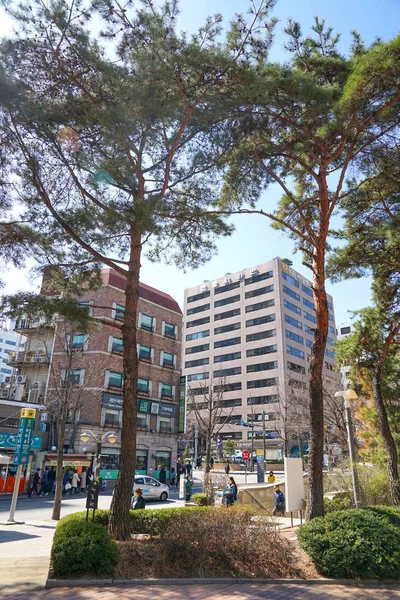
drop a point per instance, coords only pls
(254, 241)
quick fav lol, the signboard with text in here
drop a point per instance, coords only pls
(92, 499)
(182, 405)
(24, 436)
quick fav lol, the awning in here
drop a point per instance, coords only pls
(69, 460)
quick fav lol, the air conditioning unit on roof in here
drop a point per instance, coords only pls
(21, 378)
(254, 271)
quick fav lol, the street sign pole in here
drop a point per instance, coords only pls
(11, 520)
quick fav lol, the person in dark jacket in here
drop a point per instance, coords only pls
(35, 483)
(279, 502)
(227, 467)
(230, 492)
(138, 499)
(162, 475)
(189, 468)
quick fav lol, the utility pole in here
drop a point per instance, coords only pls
(351, 395)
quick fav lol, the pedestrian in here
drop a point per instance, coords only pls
(35, 483)
(271, 477)
(138, 501)
(172, 477)
(162, 477)
(227, 467)
(189, 468)
(188, 488)
(83, 480)
(51, 480)
(184, 470)
(44, 482)
(279, 502)
(230, 492)
(66, 482)
(74, 482)
(211, 463)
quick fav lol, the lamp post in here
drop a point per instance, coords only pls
(109, 436)
(350, 395)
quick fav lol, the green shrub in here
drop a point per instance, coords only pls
(338, 503)
(203, 500)
(82, 548)
(354, 543)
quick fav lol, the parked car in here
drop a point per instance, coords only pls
(152, 489)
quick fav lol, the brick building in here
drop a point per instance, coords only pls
(95, 368)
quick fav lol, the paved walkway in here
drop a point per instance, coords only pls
(216, 592)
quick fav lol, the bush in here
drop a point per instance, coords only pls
(372, 480)
(202, 500)
(80, 547)
(342, 502)
(355, 543)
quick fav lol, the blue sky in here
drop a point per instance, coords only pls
(254, 241)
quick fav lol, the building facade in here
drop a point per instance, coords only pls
(344, 330)
(93, 363)
(251, 332)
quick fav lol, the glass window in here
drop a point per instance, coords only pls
(227, 288)
(260, 320)
(258, 277)
(143, 385)
(225, 301)
(198, 309)
(293, 322)
(309, 343)
(271, 399)
(228, 372)
(111, 417)
(117, 345)
(291, 293)
(226, 328)
(291, 306)
(228, 342)
(115, 379)
(345, 330)
(231, 435)
(142, 422)
(141, 461)
(259, 292)
(308, 330)
(231, 402)
(144, 352)
(294, 351)
(309, 317)
(163, 459)
(308, 303)
(331, 330)
(78, 341)
(228, 314)
(88, 305)
(228, 387)
(294, 336)
(260, 335)
(165, 424)
(260, 383)
(200, 296)
(76, 376)
(261, 351)
(198, 376)
(169, 330)
(329, 353)
(202, 321)
(330, 317)
(11, 343)
(197, 363)
(166, 390)
(198, 336)
(200, 348)
(227, 357)
(296, 368)
(147, 322)
(267, 366)
(168, 359)
(119, 311)
(290, 279)
(260, 305)
(307, 291)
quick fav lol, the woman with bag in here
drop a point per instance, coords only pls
(230, 493)
(74, 482)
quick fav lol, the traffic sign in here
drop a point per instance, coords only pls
(24, 436)
(245, 455)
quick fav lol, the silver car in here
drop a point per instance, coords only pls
(152, 489)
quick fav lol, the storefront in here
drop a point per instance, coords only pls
(8, 442)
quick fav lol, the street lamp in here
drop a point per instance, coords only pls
(109, 436)
(350, 395)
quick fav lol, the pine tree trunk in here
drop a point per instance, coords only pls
(119, 523)
(389, 443)
(315, 496)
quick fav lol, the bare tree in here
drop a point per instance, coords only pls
(292, 414)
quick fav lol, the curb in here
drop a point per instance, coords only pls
(59, 583)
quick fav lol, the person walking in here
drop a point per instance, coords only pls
(188, 488)
(172, 480)
(279, 502)
(35, 483)
(184, 472)
(189, 468)
(211, 463)
(162, 477)
(271, 477)
(230, 492)
(138, 500)
(227, 467)
(83, 480)
(74, 482)
(44, 482)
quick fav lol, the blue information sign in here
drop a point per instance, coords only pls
(24, 435)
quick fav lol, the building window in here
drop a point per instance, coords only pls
(329, 353)
(226, 328)
(260, 383)
(195, 349)
(198, 309)
(255, 400)
(308, 330)
(167, 359)
(88, 304)
(309, 343)
(199, 391)
(227, 357)
(225, 301)
(114, 379)
(259, 292)
(261, 351)
(296, 368)
(290, 279)
(200, 296)
(163, 459)
(143, 386)
(228, 342)
(228, 387)
(196, 363)
(141, 461)
(260, 305)
(230, 403)
(112, 417)
(115, 345)
(227, 315)
(260, 335)
(147, 322)
(291, 293)
(345, 330)
(309, 317)
(197, 336)
(79, 341)
(292, 307)
(307, 291)
(294, 351)
(76, 376)
(165, 425)
(260, 320)
(119, 311)
(169, 330)
(267, 366)
(145, 352)
(198, 376)
(202, 321)
(293, 322)
(294, 336)
(11, 343)
(228, 372)
(227, 288)
(258, 277)
(331, 330)
(308, 303)
(330, 317)
(142, 423)
(166, 390)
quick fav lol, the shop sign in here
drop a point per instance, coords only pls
(182, 405)
(167, 410)
(155, 408)
(113, 400)
(9, 440)
(71, 463)
(144, 406)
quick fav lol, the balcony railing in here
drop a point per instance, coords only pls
(28, 358)
(27, 324)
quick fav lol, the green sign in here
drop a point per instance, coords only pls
(8, 441)
(24, 436)
(182, 405)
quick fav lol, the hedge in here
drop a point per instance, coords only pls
(356, 543)
(80, 547)
(202, 500)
